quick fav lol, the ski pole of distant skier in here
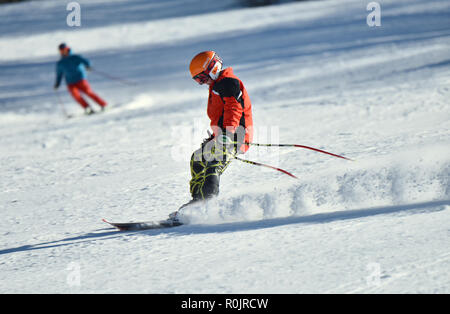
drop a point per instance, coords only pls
(61, 105)
(264, 165)
(114, 78)
(300, 146)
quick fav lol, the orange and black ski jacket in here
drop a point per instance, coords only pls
(229, 107)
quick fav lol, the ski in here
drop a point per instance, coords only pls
(144, 225)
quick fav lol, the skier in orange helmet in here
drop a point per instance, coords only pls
(230, 111)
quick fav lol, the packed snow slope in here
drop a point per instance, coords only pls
(317, 75)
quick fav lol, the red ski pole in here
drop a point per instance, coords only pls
(267, 166)
(300, 146)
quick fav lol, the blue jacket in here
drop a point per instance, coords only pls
(73, 67)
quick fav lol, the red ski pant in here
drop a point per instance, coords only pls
(83, 86)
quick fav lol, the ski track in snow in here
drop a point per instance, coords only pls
(317, 75)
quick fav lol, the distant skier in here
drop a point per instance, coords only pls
(230, 111)
(73, 68)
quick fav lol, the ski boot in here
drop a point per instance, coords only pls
(88, 111)
(175, 216)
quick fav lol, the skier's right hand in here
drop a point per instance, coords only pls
(210, 138)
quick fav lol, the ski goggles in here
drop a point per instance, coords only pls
(204, 76)
(201, 78)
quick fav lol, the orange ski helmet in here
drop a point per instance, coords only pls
(206, 64)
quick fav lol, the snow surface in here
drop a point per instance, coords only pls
(317, 75)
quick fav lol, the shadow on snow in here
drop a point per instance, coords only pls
(107, 234)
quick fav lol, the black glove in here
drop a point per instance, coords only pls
(210, 138)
